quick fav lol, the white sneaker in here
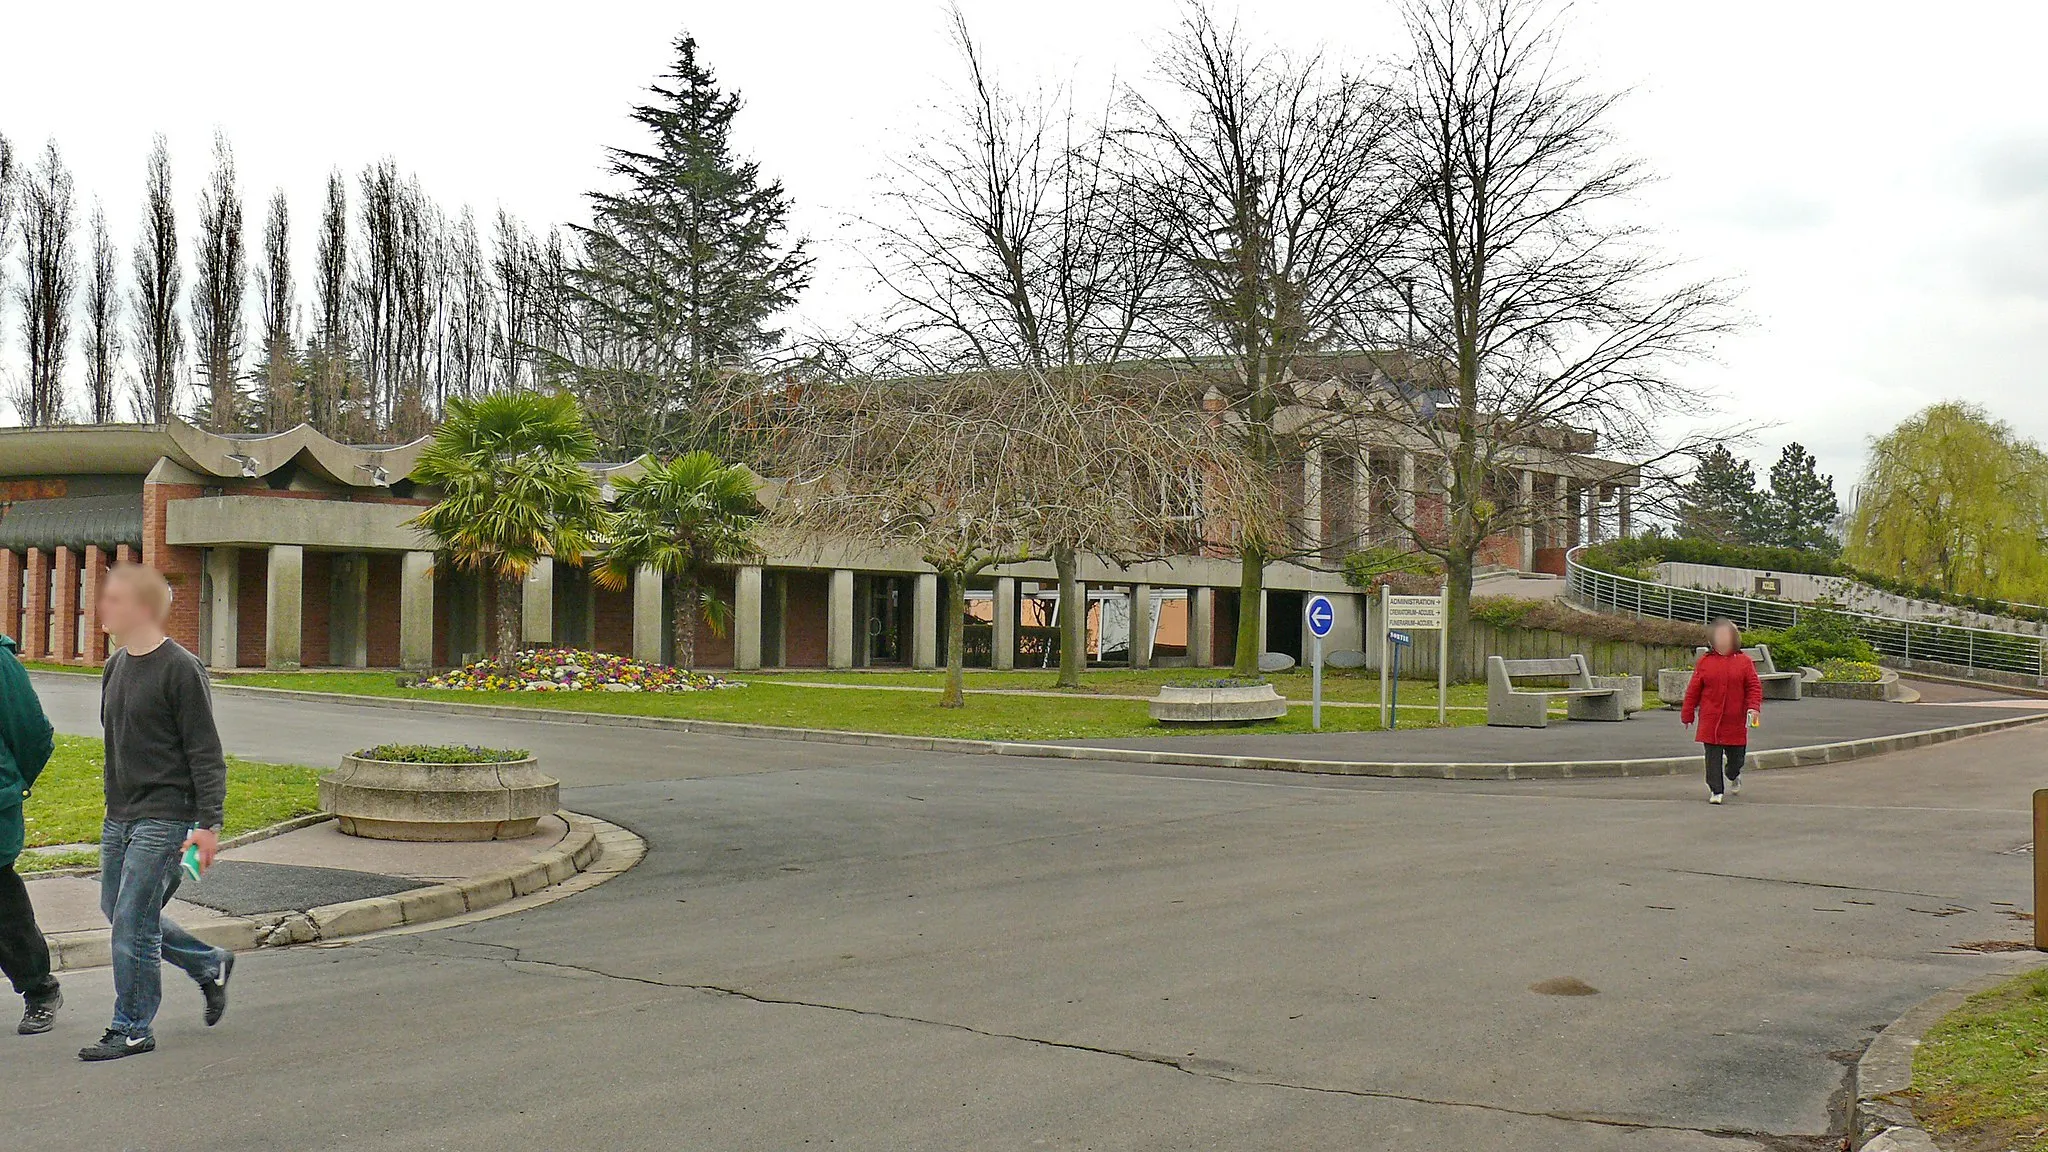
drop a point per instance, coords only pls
(1735, 785)
(1714, 798)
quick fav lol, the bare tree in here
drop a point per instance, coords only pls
(49, 279)
(515, 272)
(281, 396)
(1267, 191)
(159, 338)
(7, 197)
(976, 469)
(102, 324)
(219, 284)
(328, 375)
(1543, 313)
(1010, 249)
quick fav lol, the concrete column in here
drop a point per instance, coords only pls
(924, 619)
(64, 606)
(284, 604)
(839, 619)
(1407, 493)
(647, 621)
(124, 554)
(1141, 625)
(1004, 639)
(357, 589)
(537, 603)
(1312, 499)
(223, 606)
(1201, 626)
(35, 607)
(1528, 512)
(416, 610)
(1562, 532)
(746, 616)
(1623, 512)
(89, 606)
(1265, 601)
(1361, 499)
(10, 593)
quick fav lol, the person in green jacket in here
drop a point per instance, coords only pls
(25, 746)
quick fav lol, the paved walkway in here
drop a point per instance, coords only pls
(1788, 724)
(296, 871)
(873, 949)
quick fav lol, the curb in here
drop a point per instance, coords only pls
(1541, 770)
(1878, 1121)
(592, 846)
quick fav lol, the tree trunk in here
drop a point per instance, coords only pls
(506, 616)
(955, 695)
(1251, 587)
(688, 600)
(1073, 618)
(1458, 577)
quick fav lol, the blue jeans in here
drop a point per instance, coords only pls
(139, 873)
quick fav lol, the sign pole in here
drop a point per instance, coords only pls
(1315, 711)
(1443, 656)
(1386, 715)
(1394, 709)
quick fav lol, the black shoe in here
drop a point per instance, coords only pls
(41, 1014)
(216, 991)
(115, 1045)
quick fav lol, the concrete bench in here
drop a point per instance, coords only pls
(1508, 706)
(1777, 685)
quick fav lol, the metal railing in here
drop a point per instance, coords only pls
(1973, 649)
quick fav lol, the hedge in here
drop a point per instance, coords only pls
(1551, 616)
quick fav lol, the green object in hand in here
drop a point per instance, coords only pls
(191, 861)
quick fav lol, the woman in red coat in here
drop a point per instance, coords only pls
(1726, 698)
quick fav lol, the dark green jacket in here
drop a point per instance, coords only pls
(25, 745)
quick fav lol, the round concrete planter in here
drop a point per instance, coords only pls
(1630, 687)
(1671, 684)
(1884, 688)
(389, 800)
(1218, 705)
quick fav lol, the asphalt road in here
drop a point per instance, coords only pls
(860, 948)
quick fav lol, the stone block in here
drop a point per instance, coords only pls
(356, 917)
(439, 902)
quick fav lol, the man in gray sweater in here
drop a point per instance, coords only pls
(166, 784)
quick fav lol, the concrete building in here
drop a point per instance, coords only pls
(292, 550)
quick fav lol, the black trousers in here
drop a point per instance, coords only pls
(1718, 754)
(24, 954)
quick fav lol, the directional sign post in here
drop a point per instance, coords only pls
(1398, 616)
(1321, 617)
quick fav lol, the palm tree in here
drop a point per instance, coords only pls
(514, 488)
(682, 519)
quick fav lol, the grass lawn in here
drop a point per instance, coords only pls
(1980, 1079)
(766, 701)
(68, 803)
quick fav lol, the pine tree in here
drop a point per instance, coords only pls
(1721, 501)
(684, 265)
(222, 276)
(1800, 509)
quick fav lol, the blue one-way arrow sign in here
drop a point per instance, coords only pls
(1321, 615)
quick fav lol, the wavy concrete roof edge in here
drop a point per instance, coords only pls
(133, 449)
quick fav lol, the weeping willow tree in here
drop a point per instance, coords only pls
(1955, 499)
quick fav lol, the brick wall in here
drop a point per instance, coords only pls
(35, 607)
(716, 651)
(64, 606)
(11, 569)
(1223, 638)
(182, 567)
(252, 608)
(316, 608)
(386, 572)
(89, 606)
(612, 619)
(806, 620)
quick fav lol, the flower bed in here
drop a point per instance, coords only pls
(573, 670)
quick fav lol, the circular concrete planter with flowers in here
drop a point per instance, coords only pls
(439, 793)
(1218, 702)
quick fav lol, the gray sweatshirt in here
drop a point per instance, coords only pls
(163, 754)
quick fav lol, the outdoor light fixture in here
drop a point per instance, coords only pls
(248, 463)
(378, 475)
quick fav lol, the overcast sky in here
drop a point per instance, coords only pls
(1874, 175)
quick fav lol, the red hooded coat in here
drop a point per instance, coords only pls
(1721, 694)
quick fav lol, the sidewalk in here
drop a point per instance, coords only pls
(314, 883)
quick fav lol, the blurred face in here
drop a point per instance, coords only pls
(125, 609)
(1726, 640)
